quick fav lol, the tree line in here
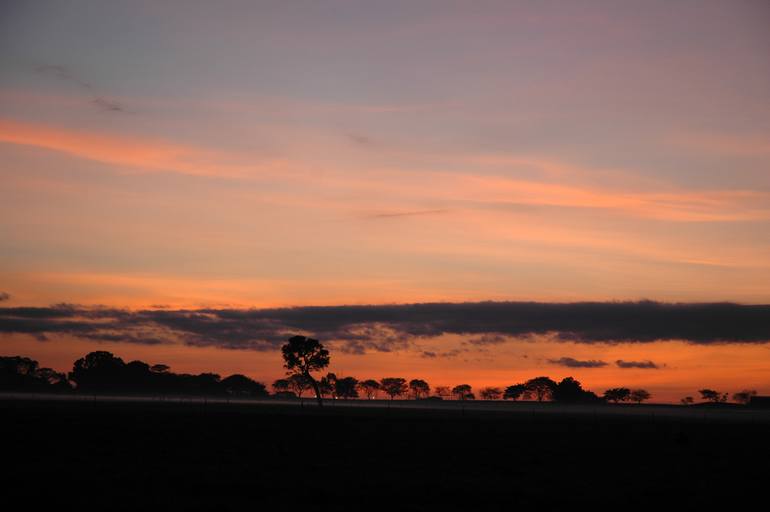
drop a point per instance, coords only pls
(103, 372)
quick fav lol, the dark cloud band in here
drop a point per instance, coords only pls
(394, 327)
(643, 365)
(570, 362)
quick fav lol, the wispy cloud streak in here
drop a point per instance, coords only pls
(97, 100)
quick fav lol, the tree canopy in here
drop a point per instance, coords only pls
(302, 356)
(491, 393)
(346, 387)
(369, 388)
(393, 386)
(617, 394)
(639, 395)
(463, 392)
(515, 392)
(419, 388)
(541, 387)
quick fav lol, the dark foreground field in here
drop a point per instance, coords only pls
(148, 455)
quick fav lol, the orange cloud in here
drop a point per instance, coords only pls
(401, 184)
(140, 153)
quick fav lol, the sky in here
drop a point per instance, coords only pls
(182, 157)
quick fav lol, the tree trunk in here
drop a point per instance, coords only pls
(316, 389)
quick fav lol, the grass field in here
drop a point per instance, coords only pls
(131, 454)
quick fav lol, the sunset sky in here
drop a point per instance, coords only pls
(161, 158)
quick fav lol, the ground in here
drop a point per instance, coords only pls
(131, 454)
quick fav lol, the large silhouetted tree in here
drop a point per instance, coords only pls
(419, 387)
(369, 388)
(393, 386)
(302, 356)
(541, 387)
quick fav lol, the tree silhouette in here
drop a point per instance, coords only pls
(298, 383)
(419, 388)
(281, 386)
(98, 371)
(328, 384)
(103, 372)
(688, 400)
(516, 391)
(639, 395)
(393, 386)
(240, 385)
(346, 387)
(55, 380)
(442, 391)
(617, 394)
(208, 384)
(542, 387)
(463, 392)
(23, 374)
(744, 397)
(369, 388)
(302, 356)
(491, 393)
(712, 396)
(568, 390)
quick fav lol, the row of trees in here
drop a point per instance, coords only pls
(103, 372)
(303, 355)
(539, 388)
(718, 397)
